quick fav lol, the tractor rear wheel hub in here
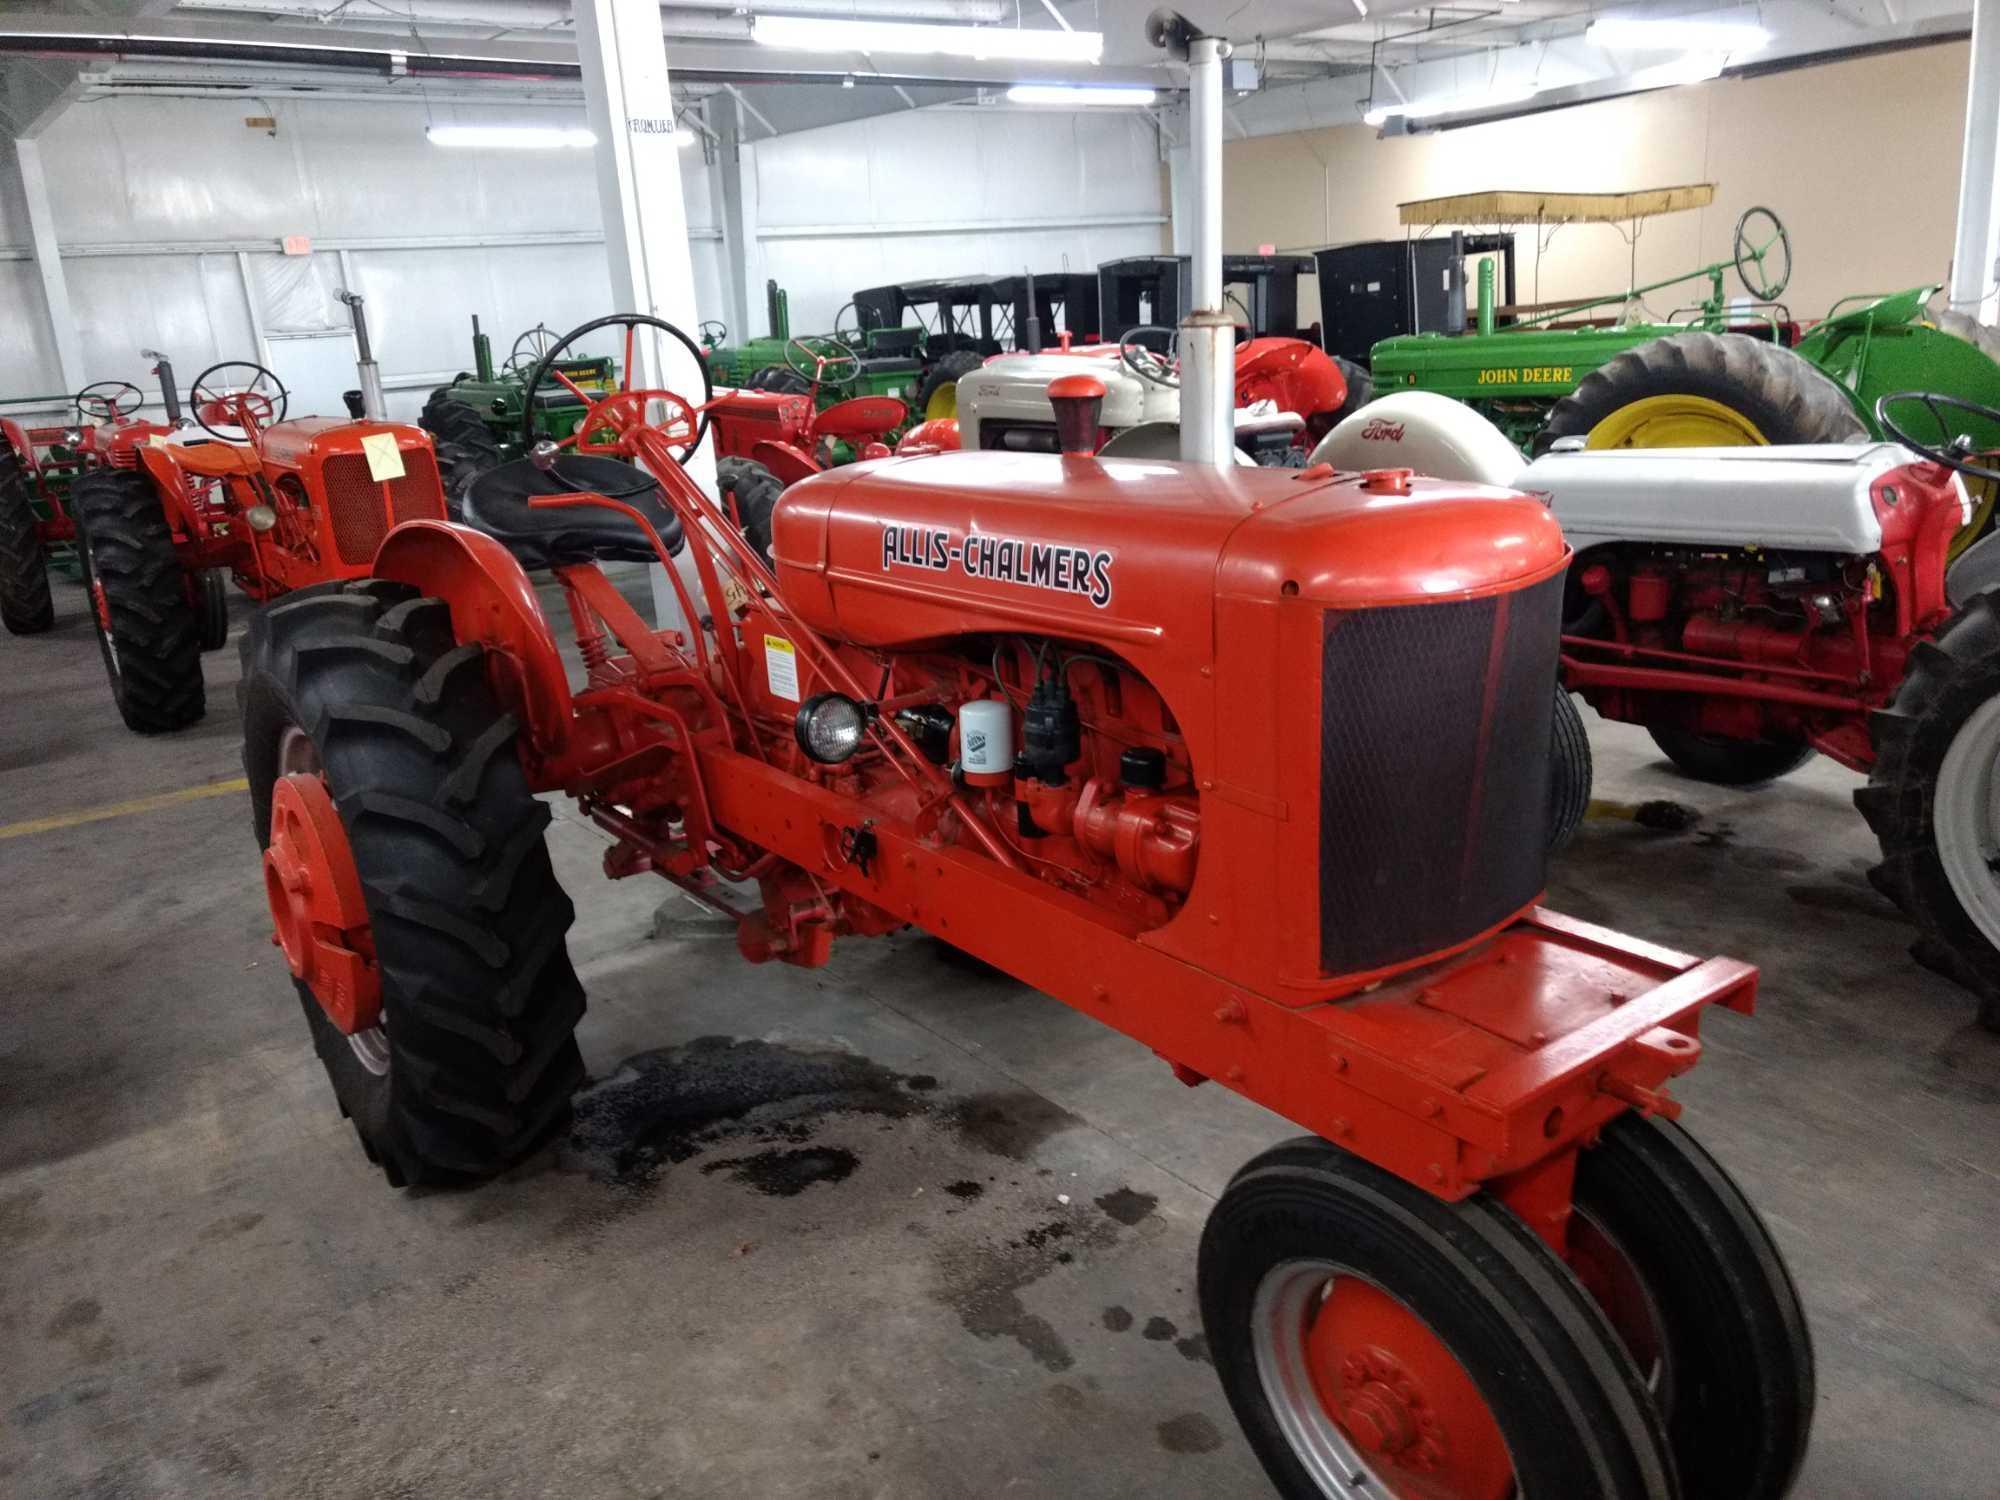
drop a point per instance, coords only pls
(317, 911)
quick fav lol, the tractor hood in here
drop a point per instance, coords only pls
(1130, 552)
(293, 443)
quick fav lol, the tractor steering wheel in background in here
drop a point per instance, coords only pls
(538, 341)
(625, 405)
(813, 357)
(855, 337)
(1143, 361)
(713, 340)
(100, 400)
(262, 398)
(1956, 452)
(1750, 253)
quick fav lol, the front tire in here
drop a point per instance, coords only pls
(755, 489)
(26, 607)
(1727, 762)
(1930, 800)
(147, 625)
(1374, 1341)
(1570, 770)
(473, 1064)
(1688, 1274)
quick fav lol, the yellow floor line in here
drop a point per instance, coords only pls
(1599, 808)
(123, 809)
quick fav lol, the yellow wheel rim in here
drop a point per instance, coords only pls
(1675, 422)
(943, 402)
(1984, 492)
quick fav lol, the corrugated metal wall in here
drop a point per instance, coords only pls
(169, 213)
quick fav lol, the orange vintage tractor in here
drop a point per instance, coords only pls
(38, 465)
(278, 504)
(767, 439)
(1250, 764)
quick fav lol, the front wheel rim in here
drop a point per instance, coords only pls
(1371, 1403)
(1965, 818)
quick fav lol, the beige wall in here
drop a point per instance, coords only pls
(1860, 159)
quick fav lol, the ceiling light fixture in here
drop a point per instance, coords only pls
(1424, 109)
(1640, 34)
(822, 34)
(512, 137)
(1057, 93)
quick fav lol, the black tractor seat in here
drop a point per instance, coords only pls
(496, 503)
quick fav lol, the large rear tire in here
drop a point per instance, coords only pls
(937, 392)
(1703, 390)
(755, 489)
(141, 599)
(1726, 762)
(472, 1067)
(26, 607)
(1374, 1341)
(1930, 800)
(466, 447)
(1689, 1276)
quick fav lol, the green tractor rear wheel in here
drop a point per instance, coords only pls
(1703, 390)
(937, 392)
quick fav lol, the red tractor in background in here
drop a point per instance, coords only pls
(1250, 764)
(38, 466)
(768, 439)
(276, 504)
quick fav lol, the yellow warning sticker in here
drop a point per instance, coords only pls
(385, 459)
(781, 667)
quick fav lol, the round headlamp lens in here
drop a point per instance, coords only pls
(830, 727)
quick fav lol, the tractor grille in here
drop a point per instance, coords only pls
(364, 509)
(1434, 772)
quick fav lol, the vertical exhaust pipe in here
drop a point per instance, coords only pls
(372, 404)
(1208, 335)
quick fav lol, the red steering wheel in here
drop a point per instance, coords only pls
(611, 423)
(243, 404)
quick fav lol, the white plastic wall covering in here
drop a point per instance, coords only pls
(256, 316)
(1976, 245)
(48, 264)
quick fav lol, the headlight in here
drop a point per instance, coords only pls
(830, 727)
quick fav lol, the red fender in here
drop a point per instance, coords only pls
(861, 417)
(24, 451)
(492, 603)
(938, 435)
(1300, 377)
(787, 461)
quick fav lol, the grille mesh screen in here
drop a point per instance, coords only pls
(1434, 772)
(364, 509)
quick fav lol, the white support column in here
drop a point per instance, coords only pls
(1976, 246)
(625, 88)
(736, 242)
(1208, 334)
(48, 262)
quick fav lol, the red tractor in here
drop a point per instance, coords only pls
(277, 504)
(767, 439)
(1250, 764)
(38, 465)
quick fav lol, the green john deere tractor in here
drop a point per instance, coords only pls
(1722, 376)
(476, 420)
(873, 362)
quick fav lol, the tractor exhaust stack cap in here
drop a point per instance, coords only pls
(1079, 402)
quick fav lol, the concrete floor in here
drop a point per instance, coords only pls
(950, 1254)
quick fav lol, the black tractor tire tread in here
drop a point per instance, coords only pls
(1743, 1387)
(1594, 1431)
(943, 372)
(466, 446)
(470, 925)
(1570, 771)
(1729, 762)
(1948, 677)
(780, 378)
(756, 490)
(26, 606)
(1785, 396)
(158, 685)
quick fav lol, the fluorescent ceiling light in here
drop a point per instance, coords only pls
(512, 137)
(1057, 93)
(1637, 34)
(1696, 67)
(820, 34)
(1423, 109)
